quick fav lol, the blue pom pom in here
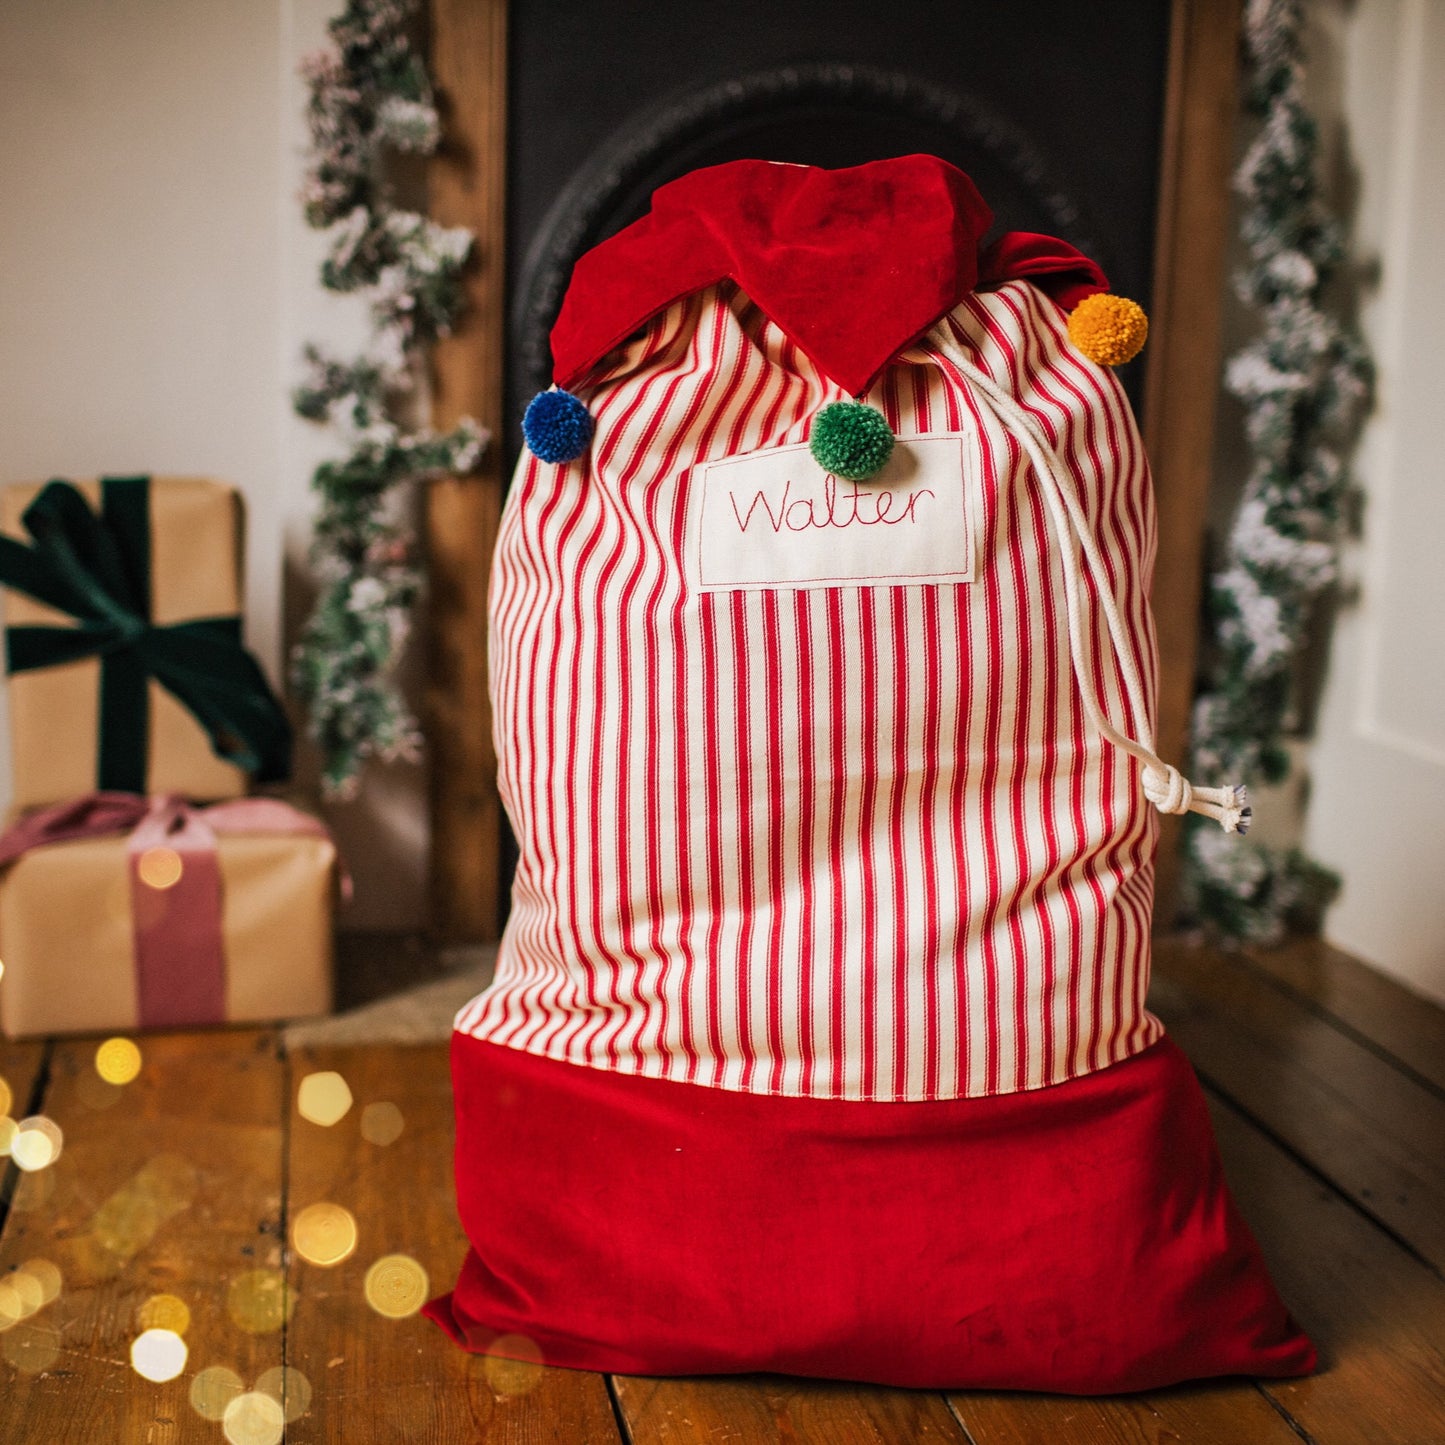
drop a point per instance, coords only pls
(557, 426)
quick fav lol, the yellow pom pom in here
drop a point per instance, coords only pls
(1109, 330)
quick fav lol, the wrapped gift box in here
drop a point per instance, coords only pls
(98, 935)
(166, 547)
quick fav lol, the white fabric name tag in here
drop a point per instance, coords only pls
(776, 519)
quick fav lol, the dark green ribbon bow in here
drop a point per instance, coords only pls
(97, 569)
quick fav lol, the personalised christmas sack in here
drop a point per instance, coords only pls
(823, 676)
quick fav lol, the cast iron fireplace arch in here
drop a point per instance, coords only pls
(613, 184)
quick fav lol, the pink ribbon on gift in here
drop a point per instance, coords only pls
(180, 959)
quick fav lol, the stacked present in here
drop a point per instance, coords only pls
(140, 887)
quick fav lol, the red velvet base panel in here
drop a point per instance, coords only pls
(1078, 1238)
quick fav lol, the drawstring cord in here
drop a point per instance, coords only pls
(1164, 785)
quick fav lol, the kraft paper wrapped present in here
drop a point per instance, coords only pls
(120, 913)
(123, 642)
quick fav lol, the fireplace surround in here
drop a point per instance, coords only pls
(1109, 125)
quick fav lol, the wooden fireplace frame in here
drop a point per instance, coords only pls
(467, 187)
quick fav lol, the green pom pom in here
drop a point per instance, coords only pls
(851, 440)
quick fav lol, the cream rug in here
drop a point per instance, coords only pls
(419, 1014)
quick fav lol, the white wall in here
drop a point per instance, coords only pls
(156, 287)
(1377, 804)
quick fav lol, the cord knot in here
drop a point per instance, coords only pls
(1171, 792)
(1168, 789)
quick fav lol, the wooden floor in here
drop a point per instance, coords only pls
(1328, 1089)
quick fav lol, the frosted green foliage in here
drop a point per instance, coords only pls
(1304, 382)
(370, 95)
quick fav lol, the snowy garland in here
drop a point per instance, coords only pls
(1304, 382)
(369, 95)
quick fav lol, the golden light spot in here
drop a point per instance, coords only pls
(6, 1097)
(513, 1364)
(289, 1388)
(126, 1223)
(27, 1290)
(323, 1099)
(381, 1124)
(37, 1143)
(159, 867)
(88, 1262)
(8, 1130)
(12, 1309)
(117, 1061)
(213, 1389)
(396, 1286)
(324, 1234)
(129, 1219)
(259, 1301)
(254, 1419)
(31, 1348)
(164, 1312)
(46, 1275)
(158, 1355)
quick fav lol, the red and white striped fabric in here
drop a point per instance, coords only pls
(851, 842)
(818, 1042)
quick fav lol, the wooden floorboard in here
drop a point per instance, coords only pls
(1375, 1131)
(1360, 1001)
(1326, 1086)
(780, 1410)
(1232, 1413)
(21, 1068)
(379, 1380)
(170, 1185)
(1376, 1313)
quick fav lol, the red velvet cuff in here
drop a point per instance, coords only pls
(853, 265)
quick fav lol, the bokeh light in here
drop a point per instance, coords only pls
(27, 1290)
(213, 1389)
(117, 1061)
(6, 1097)
(164, 1312)
(159, 867)
(381, 1124)
(254, 1419)
(158, 1355)
(323, 1098)
(129, 1219)
(37, 1143)
(46, 1275)
(259, 1301)
(289, 1388)
(513, 1364)
(324, 1234)
(31, 1348)
(8, 1130)
(396, 1286)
